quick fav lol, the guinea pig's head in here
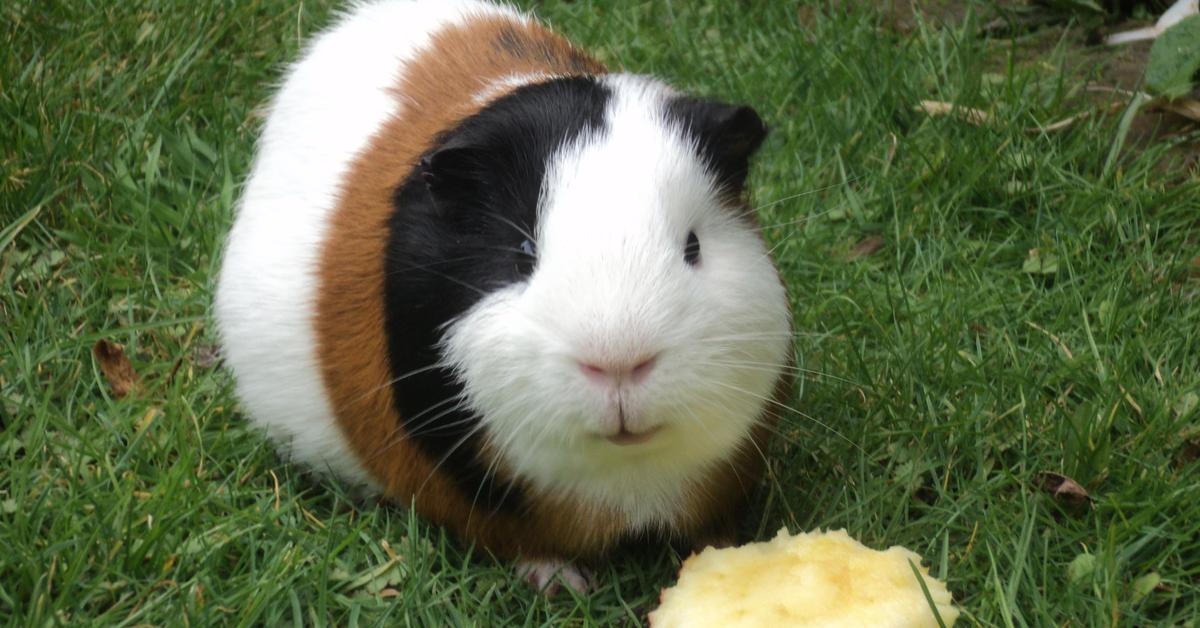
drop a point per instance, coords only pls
(626, 327)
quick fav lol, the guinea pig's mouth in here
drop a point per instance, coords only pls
(625, 437)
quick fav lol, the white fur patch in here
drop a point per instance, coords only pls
(611, 285)
(332, 102)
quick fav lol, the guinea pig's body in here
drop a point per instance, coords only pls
(475, 273)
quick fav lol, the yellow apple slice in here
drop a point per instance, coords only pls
(809, 579)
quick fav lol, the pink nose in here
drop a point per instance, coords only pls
(605, 373)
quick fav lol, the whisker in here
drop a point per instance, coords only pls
(439, 262)
(536, 445)
(512, 224)
(771, 428)
(412, 430)
(771, 251)
(765, 335)
(766, 366)
(462, 441)
(807, 193)
(488, 473)
(431, 421)
(429, 268)
(397, 379)
(698, 420)
(494, 465)
(790, 409)
(403, 428)
(801, 220)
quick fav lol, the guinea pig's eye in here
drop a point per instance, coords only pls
(524, 264)
(691, 251)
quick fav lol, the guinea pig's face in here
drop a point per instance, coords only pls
(649, 330)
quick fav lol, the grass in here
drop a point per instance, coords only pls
(951, 369)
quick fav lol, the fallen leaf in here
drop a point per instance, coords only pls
(1039, 263)
(1144, 585)
(939, 108)
(867, 246)
(1058, 341)
(116, 368)
(1186, 403)
(1175, 58)
(317, 522)
(1081, 567)
(1016, 188)
(1183, 107)
(373, 581)
(207, 356)
(1065, 123)
(1191, 445)
(389, 592)
(148, 418)
(275, 481)
(1064, 489)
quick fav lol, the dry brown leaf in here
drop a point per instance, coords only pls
(207, 356)
(940, 108)
(148, 418)
(275, 481)
(1190, 451)
(1109, 89)
(1065, 123)
(1183, 107)
(867, 246)
(317, 522)
(116, 368)
(1064, 489)
(1058, 341)
(389, 592)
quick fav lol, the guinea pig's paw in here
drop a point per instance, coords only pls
(548, 576)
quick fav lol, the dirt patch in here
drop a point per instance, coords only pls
(903, 16)
(1111, 74)
(1049, 43)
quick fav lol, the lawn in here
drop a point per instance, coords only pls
(982, 310)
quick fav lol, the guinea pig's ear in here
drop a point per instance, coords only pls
(453, 173)
(728, 135)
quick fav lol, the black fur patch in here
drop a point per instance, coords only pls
(727, 136)
(461, 218)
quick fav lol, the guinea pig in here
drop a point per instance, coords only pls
(475, 273)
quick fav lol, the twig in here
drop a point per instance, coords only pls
(940, 108)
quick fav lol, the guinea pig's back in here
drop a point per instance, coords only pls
(329, 106)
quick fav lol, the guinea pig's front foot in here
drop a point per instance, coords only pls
(548, 576)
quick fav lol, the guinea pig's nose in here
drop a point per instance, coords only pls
(633, 371)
